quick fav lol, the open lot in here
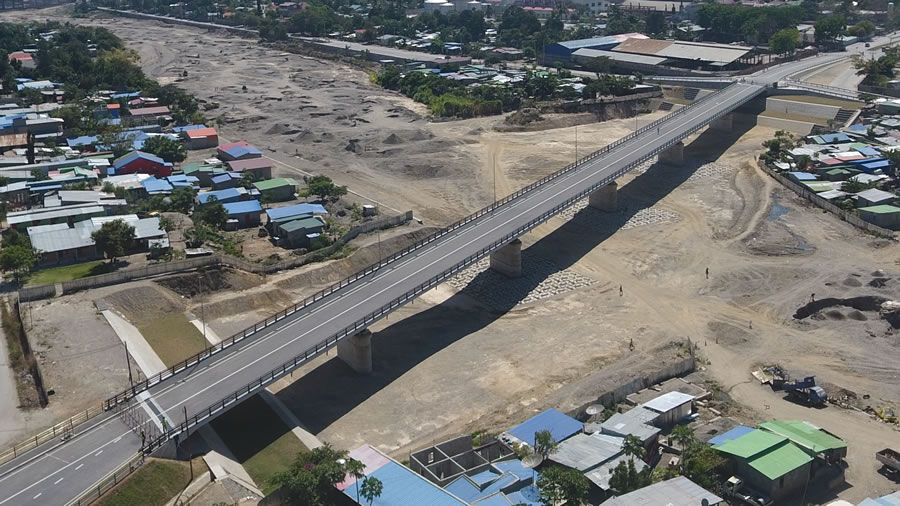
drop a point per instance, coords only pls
(468, 356)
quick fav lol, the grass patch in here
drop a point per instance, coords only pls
(68, 273)
(155, 483)
(266, 450)
(173, 338)
(836, 102)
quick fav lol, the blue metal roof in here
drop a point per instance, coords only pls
(402, 487)
(84, 140)
(516, 468)
(803, 176)
(247, 206)
(734, 433)
(887, 500)
(227, 193)
(151, 184)
(132, 94)
(835, 138)
(295, 210)
(877, 164)
(225, 177)
(187, 127)
(529, 496)
(181, 178)
(869, 151)
(593, 42)
(495, 500)
(239, 151)
(559, 424)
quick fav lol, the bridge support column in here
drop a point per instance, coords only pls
(508, 259)
(673, 155)
(605, 198)
(356, 351)
(725, 123)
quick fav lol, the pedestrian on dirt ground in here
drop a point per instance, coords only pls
(631, 344)
(621, 291)
(812, 297)
(707, 273)
(751, 324)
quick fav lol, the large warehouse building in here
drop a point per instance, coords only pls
(693, 55)
(562, 51)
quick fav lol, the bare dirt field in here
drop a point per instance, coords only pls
(468, 355)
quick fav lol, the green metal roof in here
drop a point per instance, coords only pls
(818, 186)
(190, 169)
(803, 433)
(275, 183)
(881, 209)
(751, 443)
(777, 462)
(303, 223)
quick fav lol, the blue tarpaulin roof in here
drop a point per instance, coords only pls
(734, 433)
(295, 210)
(247, 206)
(559, 424)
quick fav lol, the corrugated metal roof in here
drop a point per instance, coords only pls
(602, 474)
(804, 433)
(734, 433)
(201, 132)
(622, 425)
(750, 444)
(248, 206)
(220, 195)
(678, 491)
(57, 212)
(882, 209)
(876, 195)
(619, 57)
(560, 425)
(62, 240)
(310, 222)
(668, 401)
(275, 183)
(713, 53)
(150, 111)
(601, 41)
(37, 229)
(250, 163)
(583, 452)
(776, 462)
(295, 210)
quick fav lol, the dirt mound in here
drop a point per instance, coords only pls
(278, 129)
(834, 314)
(878, 282)
(144, 303)
(354, 147)
(190, 284)
(269, 301)
(422, 135)
(316, 275)
(852, 282)
(393, 139)
(524, 117)
(857, 315)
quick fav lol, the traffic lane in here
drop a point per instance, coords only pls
(65, 472)
(395, 281)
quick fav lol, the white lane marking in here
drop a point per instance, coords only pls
(57, 481)
(116, 440)
(98, 453)
(82, 465)
(38, 495)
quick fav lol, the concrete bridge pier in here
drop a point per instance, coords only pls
(673, 155)
(356, 351)
(725, 123)
(605, 198)
(508, 259)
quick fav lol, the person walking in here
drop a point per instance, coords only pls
(621, 291)
(707, 273)
(143, 438)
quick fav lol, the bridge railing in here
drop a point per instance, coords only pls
(277, 317)
(824, 88)
(289, 365)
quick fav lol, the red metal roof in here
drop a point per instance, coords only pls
(249, 164)
(150, 111)
(113, 106)
(20, 56)
(201, 132)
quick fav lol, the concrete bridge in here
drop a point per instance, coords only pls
(155, 414)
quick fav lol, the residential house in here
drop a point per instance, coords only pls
(446, 461)
(26, 59)
(560, 425)
(278, 215)
(260, 167)
(201, 138)
(815, 440)
(61, 244)
(240, 150)
(243, 214)
(276, 190)
(224, 196)
(768, 463)
(874, 197)
(885, 216)
(203, 173)
(144, 163)
(678, 491)
(149, 113)
(226, 180)
(300, 233)
(21, 220)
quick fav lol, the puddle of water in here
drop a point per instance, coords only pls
(777, 210)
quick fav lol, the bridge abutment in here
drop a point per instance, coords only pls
(356, 351)
(508, 259)
(673, 155)
(725, 123)
(605, 198)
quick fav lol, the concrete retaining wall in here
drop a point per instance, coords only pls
(782, 106)
(797, 127)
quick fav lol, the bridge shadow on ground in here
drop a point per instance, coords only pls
(325, 394)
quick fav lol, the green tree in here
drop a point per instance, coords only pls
(166, 223)
(544, 443)
(170, 150)
(371, 488)
(633, 447)
(17, 259)
(181, 200)
(684, 436)
(626, 478)
(212, 213)
(704, 466)
(108, 188)
(656, 23)
(558, 484)
(247, 179)
(785, 41)
(324, 187)
(862, 29)
(113, 238)
(197, 236)
(357, 470)
(829, 28)
(312, 476)
(39, 175)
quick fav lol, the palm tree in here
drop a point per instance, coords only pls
(684, 436)
(357, 470)
(633, 447)
(371, 488)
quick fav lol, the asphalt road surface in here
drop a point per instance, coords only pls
(58, 472)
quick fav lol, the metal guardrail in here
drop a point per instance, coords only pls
(109, 481)
(259, 326)
(833, 90)
(286, 367)
(66, 427)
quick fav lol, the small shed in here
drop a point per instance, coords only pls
(300, 233)
(246, 213)
(883, 215)
(201, 138)
(874, 197)
(260, 167)
(226, 180)
(240, 150)
(672, 408)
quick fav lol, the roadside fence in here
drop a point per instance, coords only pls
(61, 429)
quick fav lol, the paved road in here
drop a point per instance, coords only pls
(57, 472)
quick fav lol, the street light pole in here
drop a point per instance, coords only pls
(576, 143)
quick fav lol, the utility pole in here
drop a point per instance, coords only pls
(185, 423)
(576, 143)
(202, 309)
